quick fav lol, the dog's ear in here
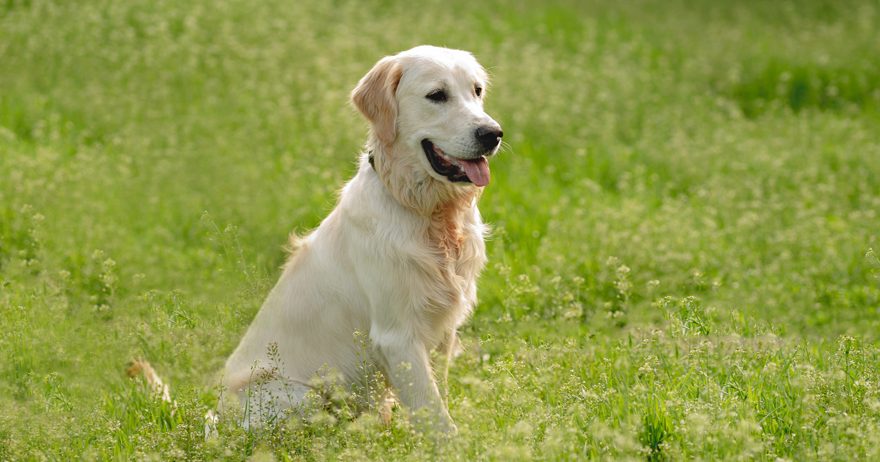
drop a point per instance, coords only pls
(375, 96)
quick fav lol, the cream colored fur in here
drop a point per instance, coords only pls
(397, 259)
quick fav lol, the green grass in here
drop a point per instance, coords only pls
(681, 263)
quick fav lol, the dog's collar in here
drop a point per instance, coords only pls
(370, 159)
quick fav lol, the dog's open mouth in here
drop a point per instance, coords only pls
(474, 171)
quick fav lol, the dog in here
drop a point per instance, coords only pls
(397, 259)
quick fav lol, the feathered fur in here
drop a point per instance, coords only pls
(397, 259)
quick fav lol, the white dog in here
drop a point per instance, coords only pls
(398, 258)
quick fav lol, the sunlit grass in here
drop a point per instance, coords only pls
(681, 265)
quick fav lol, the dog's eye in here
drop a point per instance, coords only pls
(437, 96)
(478, 90)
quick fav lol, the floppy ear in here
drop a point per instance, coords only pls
(375, 97)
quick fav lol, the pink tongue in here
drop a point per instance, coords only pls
(477, 170)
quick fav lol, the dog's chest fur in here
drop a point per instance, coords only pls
(455, 235)
(427, 263)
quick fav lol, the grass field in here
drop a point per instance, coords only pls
(681, 265)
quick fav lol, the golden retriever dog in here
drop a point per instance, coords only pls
(397, 259)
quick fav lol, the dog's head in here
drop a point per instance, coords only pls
(425, 106)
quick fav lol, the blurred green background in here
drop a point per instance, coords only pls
(681, 265)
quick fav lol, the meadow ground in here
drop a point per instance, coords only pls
(681, 266)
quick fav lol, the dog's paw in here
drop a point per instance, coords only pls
(449, 429)
(386, 411)
(211, 419)
(438, 422)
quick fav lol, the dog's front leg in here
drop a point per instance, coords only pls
(444, 353)
(407, 364)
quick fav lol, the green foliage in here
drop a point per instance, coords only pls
(798, 87)
(681, 261)
(656, 429)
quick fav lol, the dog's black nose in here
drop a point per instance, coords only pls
(489, 136)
